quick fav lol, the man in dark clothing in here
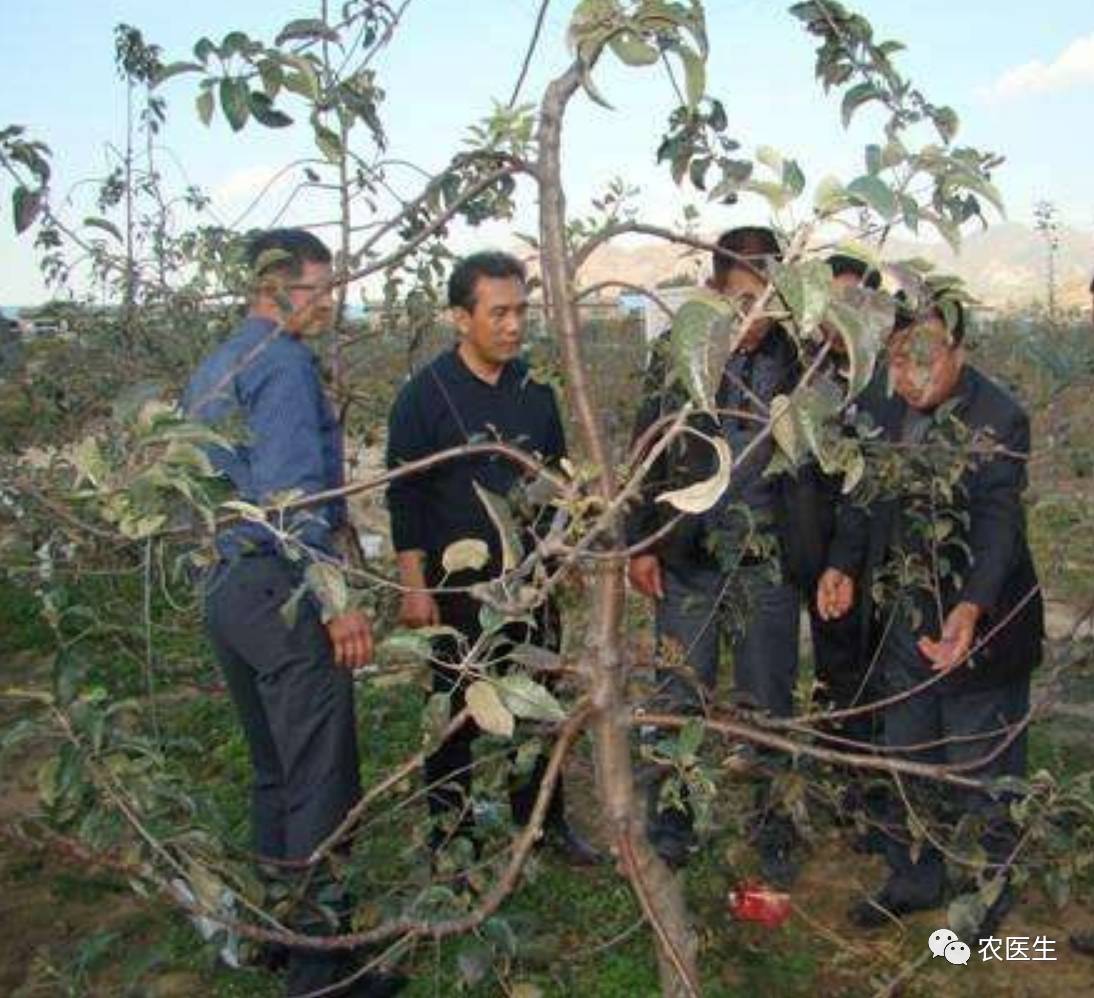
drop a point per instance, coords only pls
(842, 647)
(479, 388)
(290, 682)
(962, 570)
(742, 549)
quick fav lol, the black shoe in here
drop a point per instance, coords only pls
(869, 843)
(674, 850)
(775, 842)
(889, 904)
(273, 958)
(566, 843)
(778, 866)
(377, 985)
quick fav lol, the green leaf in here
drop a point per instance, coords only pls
(893, 154)
(535, 657)
(234, 42)
(701, 496)
(328, 142)
(874, 192)
(204, 48)
(25, 207)
(863, 319)
(947, 123)
(47, 781)
(528, 699)
(435, 718)
(785, 429)
(264, 112)
(965, 914)
(805, 288)
(247, 510)
(102, 223)
(690, 738)
(309, 28)
(270, 72)
(329, 585)
(205, 106)
(305, 81)
(689, 342)
(591, 89)
(697, 172)
(695, 75)
(771, 158)
(234, 101)
(855, 98)
(909, 209)
(815, 409)
(486, 707)
(417, 643)
(793, 178)
(468, 553)
(829, 196)
(89, 462)
(633, 50)
(775, 194)
(512, 551)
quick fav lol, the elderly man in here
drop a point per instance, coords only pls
(967, 621)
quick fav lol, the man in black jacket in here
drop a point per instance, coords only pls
(480, 388)
(967, 619)
(735, 563)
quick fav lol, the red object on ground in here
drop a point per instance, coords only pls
(753, 901)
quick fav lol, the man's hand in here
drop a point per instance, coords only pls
(952, 648)
(419, 609)
(351, 636)
(835, 594)
(644, 573)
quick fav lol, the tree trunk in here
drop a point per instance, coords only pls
(658, 891)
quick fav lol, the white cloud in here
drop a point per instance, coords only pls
(1071, 68)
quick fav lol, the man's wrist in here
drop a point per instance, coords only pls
(970, 610)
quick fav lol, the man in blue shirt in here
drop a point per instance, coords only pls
(290, 678)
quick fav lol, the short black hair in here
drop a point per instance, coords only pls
(285, 250)
(869, 277)
(489, 263)
(750, 247)
(945, 308)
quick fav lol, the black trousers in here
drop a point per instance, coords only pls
(296, 709)
(972, 724)
(448, 767)
(842, 667)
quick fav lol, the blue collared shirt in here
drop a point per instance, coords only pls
(267, 384)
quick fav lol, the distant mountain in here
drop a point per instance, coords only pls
(1005, 266)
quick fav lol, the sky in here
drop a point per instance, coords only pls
(1021, 77)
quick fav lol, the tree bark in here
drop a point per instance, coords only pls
(658, 891)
